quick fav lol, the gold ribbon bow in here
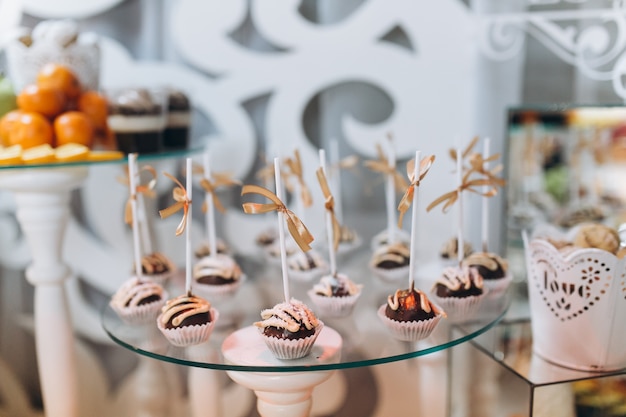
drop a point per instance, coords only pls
(298, 230)
(467, 184)
(477, 164)
(145, 189)
(218, 180)
(466, 152)
(182, 202)
(382, 165)
(349, 162)
(407, 198)
(329, 204)
(295, 169)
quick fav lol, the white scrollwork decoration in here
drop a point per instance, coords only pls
(592, 39)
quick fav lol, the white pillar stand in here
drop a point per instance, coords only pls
(280, 394)
(42, 197)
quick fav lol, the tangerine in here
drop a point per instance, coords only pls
(96, 107)
(6, 124)
(44, 100)
(29, 130)
(73, 127)
(60, 78)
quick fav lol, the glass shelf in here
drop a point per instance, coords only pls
(142, 157)
(366, 341)
(510, 344)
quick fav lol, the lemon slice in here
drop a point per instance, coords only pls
(11, 155)
(71, 152)
(41, 154)
(104, 155)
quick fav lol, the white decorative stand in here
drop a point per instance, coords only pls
(42, 197)
(280, 394)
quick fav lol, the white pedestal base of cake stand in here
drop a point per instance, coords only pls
(280, 394)
(42, 197)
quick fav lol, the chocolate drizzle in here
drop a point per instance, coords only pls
(292, 316)
(185, 310)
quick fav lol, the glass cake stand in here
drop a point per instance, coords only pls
(42, 196)
(283, 387)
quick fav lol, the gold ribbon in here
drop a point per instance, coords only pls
(466, 152)
(382, 165)
(210, 185)
(349, 162)
(145, 189)
(298, 230)
(477, 164)
(466, 185)
(407, 198)
(329, 204)
(182, 202)
(295, 167)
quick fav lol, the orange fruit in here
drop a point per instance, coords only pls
(11, 155)
(71, 152)
(73, 127)
(6, 123)
(30, 130)
(41, 154)
(105, 155)
(96, 107)
(60, 78)
(44, 100)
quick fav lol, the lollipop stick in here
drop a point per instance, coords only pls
(390, 194)
(413, 249)
(336, 178)
(189, 187)
(146, 242)
(132, 176)
(485, 201)
(459, 174)
(281, 231)
(330, 236)
(210, 213)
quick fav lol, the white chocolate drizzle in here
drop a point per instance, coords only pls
(491, 261)
(288, 316)
(455, 278)
(133, 291)
(397, 252)
(450, 248)
(155, 263)
(189, 305)
(222, 266)
(328, 282)
(301, 261)
(393, 301)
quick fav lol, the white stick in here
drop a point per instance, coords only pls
(146, 242)
(188, 249)
(330, 236)
(281, 231)
(413, 249)
(132, 179)
(459, 175)
(390, 194)
(210, 212)
(335, 178)
(485, 200)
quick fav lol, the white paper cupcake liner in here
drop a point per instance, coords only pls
(391, 274)
(142, 314)
(334, 306)
(497, 287)
(218, 291)
(189, 335)
(291, 348)
(409, 331)
(461, 308)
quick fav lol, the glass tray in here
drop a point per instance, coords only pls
(366, 340)
(142, 157)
